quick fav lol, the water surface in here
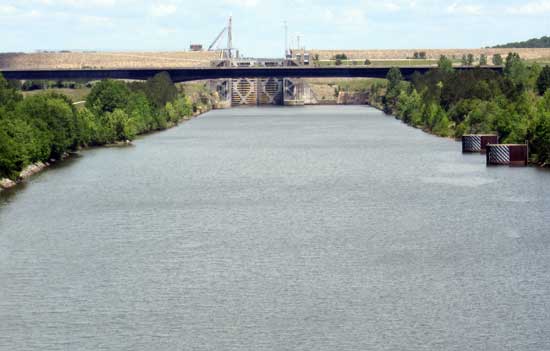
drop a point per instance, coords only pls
(318, 228)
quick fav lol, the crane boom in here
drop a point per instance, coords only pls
(217, 39)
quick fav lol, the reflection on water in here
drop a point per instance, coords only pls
(319, 228)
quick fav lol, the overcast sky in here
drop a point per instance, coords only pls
(28, 25)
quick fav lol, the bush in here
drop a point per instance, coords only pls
(543, 81)
(47, 125)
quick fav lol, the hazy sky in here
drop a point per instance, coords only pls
(28, 25)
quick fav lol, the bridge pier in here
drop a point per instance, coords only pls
(293, 92)
(223, 88)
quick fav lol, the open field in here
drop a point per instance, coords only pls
(384, 63)
(76, 95)
(431, 54)
(542, 62)
(326, 89)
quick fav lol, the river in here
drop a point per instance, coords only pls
(314, 228)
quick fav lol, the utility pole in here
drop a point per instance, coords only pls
(230, 37)
(286, 40)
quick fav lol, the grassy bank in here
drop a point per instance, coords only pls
(75, 95)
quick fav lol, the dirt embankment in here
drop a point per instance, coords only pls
(433, 54)
(95, 60)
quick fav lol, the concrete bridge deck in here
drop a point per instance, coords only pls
(190, 74)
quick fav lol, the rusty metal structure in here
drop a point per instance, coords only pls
(477, 142)
(507, 154)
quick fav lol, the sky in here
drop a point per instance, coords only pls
(258, 25)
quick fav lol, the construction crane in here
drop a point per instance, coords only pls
(226, 53)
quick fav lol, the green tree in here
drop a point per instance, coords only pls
(497, 60)
(470, 60)
(8, 95)
(516, 70)
(160, 90)
(394, 77)
(171, 113)
(8, 155)
(140, 110)
(541, 136)
(121, 127)
(483, 60)
(54, 117)
(89, 129)
(107, 96)
(543, 81)
(409, 106)
(445, 64)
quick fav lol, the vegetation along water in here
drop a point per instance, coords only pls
(444, 101)
(45, 126)
(449, 102)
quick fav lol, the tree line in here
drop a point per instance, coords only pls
(448, 102)
(47, 125)
(543, 42)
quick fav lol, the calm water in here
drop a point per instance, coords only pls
(322, 228)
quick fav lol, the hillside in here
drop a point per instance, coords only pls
(431, 54)
(543, 42)
(79, 60)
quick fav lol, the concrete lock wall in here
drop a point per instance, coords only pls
(262, 91)
(256, 91)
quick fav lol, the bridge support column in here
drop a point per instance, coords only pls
(223, 88)
(293, 92)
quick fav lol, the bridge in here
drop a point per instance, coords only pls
(191, 74)
(234, 85)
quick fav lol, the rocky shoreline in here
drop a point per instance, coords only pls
(27, 172)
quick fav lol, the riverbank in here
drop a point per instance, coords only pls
(280, 210)
(37, 167)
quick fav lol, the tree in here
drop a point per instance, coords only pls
(408, 105)
(394, 77)
(8, 155)
(483, 60)
(107, 95)
(541, 136)
(160, 89)
(120, 126)
(543, 82)
(497, 60)
(8, 95)
(88, 129)
(316, 60)
(140, 110)
(341, 56)
(54, 117)
(464, 60)
(367, 62)
(516, 70)
(470, 60)
(445, 64)
(20, 145)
